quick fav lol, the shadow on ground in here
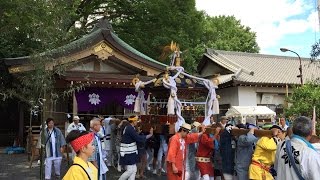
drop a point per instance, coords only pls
(16, 167)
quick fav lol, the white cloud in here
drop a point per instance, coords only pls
(270, 19)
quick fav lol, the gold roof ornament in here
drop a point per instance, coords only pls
(174, 50)
(215, 79)
(166, 76)
(135, 80)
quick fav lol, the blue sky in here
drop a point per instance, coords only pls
(292, 24)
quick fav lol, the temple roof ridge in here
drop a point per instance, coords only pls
(102, 23)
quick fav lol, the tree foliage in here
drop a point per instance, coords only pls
(31, 27)
(150, 25)
(303, 99)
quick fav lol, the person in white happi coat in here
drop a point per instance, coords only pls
(75, 125)
(106, 144)
(315, 141)
(303, 155)
(54, 146)
(96, 159)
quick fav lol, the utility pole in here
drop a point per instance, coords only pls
(318, 9)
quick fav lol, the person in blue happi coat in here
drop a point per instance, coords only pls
(244, 151)
(128, 148)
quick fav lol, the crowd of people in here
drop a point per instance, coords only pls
(190, 154)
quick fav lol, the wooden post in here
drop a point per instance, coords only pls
(29, 140)
(74, 104)
(238, 132)
(21, 124)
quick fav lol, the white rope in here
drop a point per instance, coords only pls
(211, 97)
(172, 85)
(140, 98)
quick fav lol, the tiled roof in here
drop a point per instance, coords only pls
(267, 69)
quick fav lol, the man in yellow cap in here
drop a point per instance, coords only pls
(129, 150)
(177, 151)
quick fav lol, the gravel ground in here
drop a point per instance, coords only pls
(16, 167)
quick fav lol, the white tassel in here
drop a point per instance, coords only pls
(171, 106)
(137, 105)
(215, 107)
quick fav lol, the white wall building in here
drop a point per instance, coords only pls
(249, 79)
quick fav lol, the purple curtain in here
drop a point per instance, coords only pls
(95, 98)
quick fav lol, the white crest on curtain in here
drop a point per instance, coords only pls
(130, 99)
(94, 98)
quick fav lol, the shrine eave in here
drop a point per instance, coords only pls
(101, 77)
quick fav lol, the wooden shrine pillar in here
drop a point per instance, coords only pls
(74, 103)
(21, 124)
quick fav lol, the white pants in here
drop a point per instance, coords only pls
(150, 156)
(192, 175)
(228, 176)
(162, 151)
(130, 173)
(118, 153)
(207, 177)
(48, 167)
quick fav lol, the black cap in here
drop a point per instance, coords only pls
(241, 126)
(276, 126)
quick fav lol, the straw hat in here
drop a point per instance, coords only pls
(196, 124)
(76, 118)
(223, 118)
(186, 126)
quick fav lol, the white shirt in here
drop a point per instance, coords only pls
(285, 127)
(316, 146)
(73, 126)
(53, 145)
(308, 161)
(53, 142)
(103, 167)
(107, 131)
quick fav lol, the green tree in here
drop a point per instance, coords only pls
(150, 25)
(227, 33)
(303, 99)
(29, 27)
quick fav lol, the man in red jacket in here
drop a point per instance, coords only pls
(177, 151)
(204, 154)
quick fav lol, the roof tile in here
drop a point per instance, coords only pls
(270, 69)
